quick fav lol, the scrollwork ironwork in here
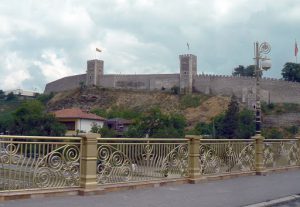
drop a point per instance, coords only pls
(281, 154)
(112, 165)
(216, 158)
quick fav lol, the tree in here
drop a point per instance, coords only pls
(203, 128)
(246, 125)
(30, 119)
(44, 98)
(175, 90)
(244, 71)
(2, 95)
(291, 72)
(82, 85)
(230, 123)
(11, 97)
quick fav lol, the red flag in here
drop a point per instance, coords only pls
(296, 49)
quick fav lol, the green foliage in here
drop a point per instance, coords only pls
(99, 112)
(44, 98)
(204, 129)
(119, 112)
(280, 108)
(82, 85)
(291, 107)
(293, 130)
(11, 97)
(188, 100)
(175, 90)
(272, 133)
(246, 125)
(156, 124)
(230, 123)
(291, 72)
(104, 131)
(134, 132)
(30, 119)
(2, 95)
(242, 71)
(6, 122)
(243, 126)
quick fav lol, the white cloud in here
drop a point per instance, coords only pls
(52, 66)
(14, 72)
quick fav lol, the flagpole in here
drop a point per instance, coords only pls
(296, 51)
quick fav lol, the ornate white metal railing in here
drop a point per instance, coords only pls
(281, 153)
(28, 162)
(219, 156)
(130, 160)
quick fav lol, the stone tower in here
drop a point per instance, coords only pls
(188, 69)
(94, 72)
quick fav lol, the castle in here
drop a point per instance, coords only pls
(272, 90)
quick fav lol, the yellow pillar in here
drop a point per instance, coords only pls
(259, 154)
(88, 164)
(194, 156)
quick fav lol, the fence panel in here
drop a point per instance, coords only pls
(281, 153)
(132, 160)
(219, 156)
(28, 162)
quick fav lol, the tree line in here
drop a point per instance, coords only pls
(290, 71)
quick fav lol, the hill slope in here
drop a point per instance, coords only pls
(195, 108)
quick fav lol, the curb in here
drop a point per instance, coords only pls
(275, 201)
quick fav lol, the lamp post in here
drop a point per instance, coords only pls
(261, 63)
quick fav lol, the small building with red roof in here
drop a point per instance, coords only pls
(77, 120)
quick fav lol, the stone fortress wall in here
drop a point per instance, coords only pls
(272, 90)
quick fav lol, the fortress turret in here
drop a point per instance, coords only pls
(188, 69)
(94, 72)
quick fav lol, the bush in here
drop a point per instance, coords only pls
(292, 130)
(11, 97)
(175, 90)
(272, 133)
(187, 101)
(44, 98)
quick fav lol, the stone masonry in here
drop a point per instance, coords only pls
(272, 90)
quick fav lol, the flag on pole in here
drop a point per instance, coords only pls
(188, 45)
(296, 49)
(98, 50)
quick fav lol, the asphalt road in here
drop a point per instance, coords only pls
(224, 193)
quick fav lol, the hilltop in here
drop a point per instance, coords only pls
(195, 108)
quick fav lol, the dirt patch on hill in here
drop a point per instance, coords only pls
(206, 111)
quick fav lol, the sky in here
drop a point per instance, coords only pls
(44, 40)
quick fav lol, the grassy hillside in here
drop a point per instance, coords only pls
(195, 108)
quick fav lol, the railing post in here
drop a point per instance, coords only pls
(259, 154)
(88, 163)
(193, 166)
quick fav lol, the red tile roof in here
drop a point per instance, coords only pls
(76, 113)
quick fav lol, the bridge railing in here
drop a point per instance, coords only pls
(142, 159)
(29, 162)
(87, 162)
(219, 156)
(281, 153)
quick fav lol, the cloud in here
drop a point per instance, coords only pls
(14, 71)
(53, 67)
(52, 39)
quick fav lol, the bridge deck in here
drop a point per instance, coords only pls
(223, 193)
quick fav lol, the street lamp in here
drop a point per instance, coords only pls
(261, 63)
